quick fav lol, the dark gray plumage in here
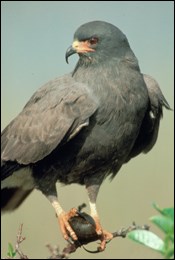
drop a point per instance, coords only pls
(83, 126)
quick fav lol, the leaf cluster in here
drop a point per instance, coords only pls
(165, 222)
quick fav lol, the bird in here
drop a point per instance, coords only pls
(83, 126)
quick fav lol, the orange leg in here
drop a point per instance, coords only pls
(92, 186)
(104, 235)
(63, 218)
(66, 229)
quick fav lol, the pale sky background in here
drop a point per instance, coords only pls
(35, 36)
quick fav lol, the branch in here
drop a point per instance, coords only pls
(84, 227)
(19, 240)
(72, 247)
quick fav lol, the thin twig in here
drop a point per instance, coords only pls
(55, 252)
(123, 231)
(19, 240)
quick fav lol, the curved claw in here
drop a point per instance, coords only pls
(66, 228)
(105, 238)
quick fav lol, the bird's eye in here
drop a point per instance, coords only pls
(93, 40)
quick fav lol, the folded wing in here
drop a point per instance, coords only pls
(53, 115)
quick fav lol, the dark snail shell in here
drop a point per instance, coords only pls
(84, 227)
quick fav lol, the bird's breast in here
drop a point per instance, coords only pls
(106, 141)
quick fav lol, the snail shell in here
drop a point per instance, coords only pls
(84, 227)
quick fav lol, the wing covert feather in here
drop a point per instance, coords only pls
(54, 111)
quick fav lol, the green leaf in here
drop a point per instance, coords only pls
(164, 223)
(11, 252)
(170, 253)
(147, 238)
(169, 212)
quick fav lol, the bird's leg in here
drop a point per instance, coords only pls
(92, 190)
(63, 218)
(92, 195)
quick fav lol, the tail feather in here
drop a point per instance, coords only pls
(11, 198)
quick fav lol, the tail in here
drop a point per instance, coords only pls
(16, 180)
(11, 198)
(16, 185)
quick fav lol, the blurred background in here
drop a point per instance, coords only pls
(35, 36)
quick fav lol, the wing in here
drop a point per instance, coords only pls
(53, 115)
(150, 126)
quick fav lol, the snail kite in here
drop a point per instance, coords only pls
(83, 126)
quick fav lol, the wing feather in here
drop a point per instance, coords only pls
(55, 112)
(150, 126)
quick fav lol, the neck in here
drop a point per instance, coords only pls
(98, 79)
(103, 79)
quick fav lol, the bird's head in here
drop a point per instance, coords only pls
(98, 41)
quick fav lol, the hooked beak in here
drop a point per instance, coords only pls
(70, 51)
(80, 47)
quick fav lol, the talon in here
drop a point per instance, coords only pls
(66, 228)
(105, 236)
(98, 227)
(99, 231)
